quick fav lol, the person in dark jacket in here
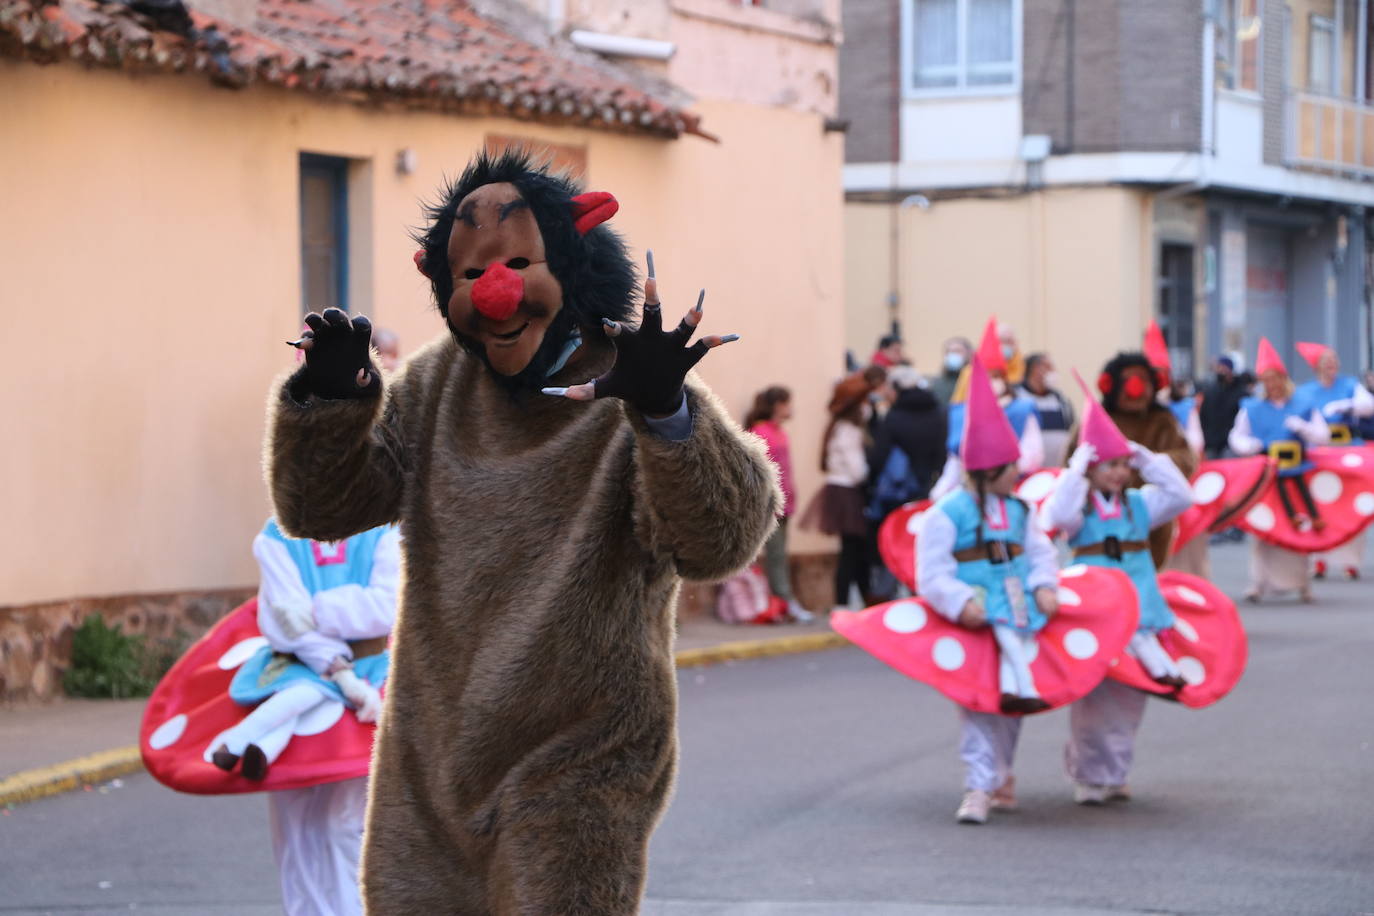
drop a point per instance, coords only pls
(954, 358)
(916, 424)
(1220, 404)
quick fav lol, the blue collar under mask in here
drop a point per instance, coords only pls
(569, 349)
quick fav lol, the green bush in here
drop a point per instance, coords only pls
(108, 663)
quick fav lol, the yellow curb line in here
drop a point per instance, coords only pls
(759, 648)
(31, 785)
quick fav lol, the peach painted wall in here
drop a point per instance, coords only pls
(151, 272)
(1070, 269)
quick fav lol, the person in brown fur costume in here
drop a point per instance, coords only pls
(528, 740)
(1129, 387)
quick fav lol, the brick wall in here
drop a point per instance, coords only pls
(1107, 76)
(869, 78)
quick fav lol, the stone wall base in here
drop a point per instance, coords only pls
(36, 639)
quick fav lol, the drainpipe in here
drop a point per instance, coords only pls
(1209, 76)
(557, 12)
(622, 45)
(1361, 53)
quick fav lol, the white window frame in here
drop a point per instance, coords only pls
(908, 57)
(1326, 24)
(1233, 50)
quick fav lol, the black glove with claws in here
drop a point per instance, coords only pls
(651, 364)
(338, 358)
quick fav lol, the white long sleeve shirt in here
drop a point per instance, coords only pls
(937, 572)
(1166, 495)
(1244, 442)
(845, 461)
(345, 613)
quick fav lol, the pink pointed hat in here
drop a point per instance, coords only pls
(988, 439)
(1156, 350)
(1312, 352)
(1269, 359)
(1098, 429)
(990, 348)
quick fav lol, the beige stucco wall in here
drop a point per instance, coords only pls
(1071, 270)
(151, 273)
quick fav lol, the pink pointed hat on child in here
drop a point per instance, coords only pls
(1269, 359)
(1098, 429)
(1312, 352)
(988, 439)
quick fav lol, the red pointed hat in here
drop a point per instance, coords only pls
(990, 349)
(988, 439)
(1312, 352)
(1098, 429)
(1268, 359)
(1156, 350)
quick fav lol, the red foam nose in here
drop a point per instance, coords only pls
(497, 293)
(1134, 387)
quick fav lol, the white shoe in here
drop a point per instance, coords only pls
(1087, 794)
(974, 808)
(798, 614)
(1004, 799)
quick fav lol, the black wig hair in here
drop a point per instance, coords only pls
(1109, 382)
(594, 269)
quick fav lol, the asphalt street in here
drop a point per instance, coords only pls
(826, 784)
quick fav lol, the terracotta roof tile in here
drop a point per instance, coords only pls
(422, 53)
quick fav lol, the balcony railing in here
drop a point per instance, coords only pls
(1330, 134)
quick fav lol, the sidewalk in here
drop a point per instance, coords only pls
(46, 748)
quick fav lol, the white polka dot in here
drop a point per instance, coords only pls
(1080, 643)
(1352, 460)
(1069, 597)
(913, 524)
(1074, 571)
(1364, 504)
(1185, 629)
(168, 733)
(1192, 669)
(1326, 487)
(319, 718)
(1036, 487)
(1208, 487)
(904, 617)
(948, 653)
(1260, 518)
(240, 652)
(1190, 595)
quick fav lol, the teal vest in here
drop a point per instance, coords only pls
(1138, 564)
(986, 575)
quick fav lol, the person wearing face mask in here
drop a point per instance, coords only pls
(953, 359)
(1019, 411)
(1011, 354)
(1052, 409)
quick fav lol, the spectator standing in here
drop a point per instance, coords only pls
(1052, 409)
(1220, 403)
(839, 508)
(388, 346)
(889, 352)
(953, 358)
(915, 424)
(1011, 353)
(772, 408)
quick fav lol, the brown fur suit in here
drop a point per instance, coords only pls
(528, 743)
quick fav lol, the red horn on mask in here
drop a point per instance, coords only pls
(592, 209)
(497, 293)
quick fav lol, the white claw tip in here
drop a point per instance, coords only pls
(556, 392)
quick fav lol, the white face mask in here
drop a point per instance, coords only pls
(1051, 379)
(1007, 351)
(954, 361)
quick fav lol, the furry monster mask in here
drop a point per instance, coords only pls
(521, 267)
(1127, 384)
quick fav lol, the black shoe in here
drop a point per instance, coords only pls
(223, 759)
(254, 763)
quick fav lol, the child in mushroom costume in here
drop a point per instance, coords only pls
(1130, 386)
(527, 746)
(1343, 403)
(1107, 524)
(989, 630)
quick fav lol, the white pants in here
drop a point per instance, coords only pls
(987, 746)
(1273, 569)
(1145, 647)
(317, 837)
(272, 723)
(1102, 729)
(1014, 652)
